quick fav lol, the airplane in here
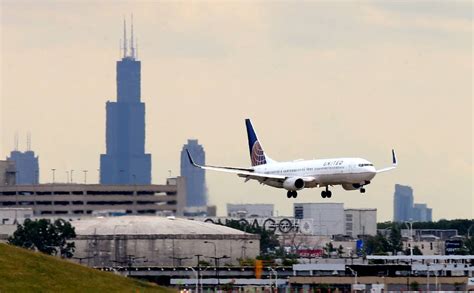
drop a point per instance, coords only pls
(351, 173)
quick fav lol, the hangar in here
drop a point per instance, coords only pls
(159, 241)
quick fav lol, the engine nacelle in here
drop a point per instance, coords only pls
(293, 183)
(351, 186)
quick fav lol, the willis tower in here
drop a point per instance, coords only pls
(125, 161)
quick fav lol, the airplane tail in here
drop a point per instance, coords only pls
(257, 155)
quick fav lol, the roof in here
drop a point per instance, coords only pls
(149, 225)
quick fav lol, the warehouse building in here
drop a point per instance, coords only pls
(159, 241)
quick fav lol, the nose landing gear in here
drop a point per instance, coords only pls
(362, 190)
(291, 193)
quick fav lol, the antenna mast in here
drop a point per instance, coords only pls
(28, 141)
(132, 48)
(124, 38)
(15, 141)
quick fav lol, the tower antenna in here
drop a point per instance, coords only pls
(15, 141)
(28, 141)
(132, 48)
(124, 38)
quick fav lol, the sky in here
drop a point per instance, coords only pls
(319, 79)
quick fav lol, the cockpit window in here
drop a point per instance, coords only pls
(364, 165)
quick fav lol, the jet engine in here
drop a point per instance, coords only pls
(351, 186)
(293, 183)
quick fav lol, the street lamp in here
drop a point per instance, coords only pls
(53, 170)
(276, 277)
(197, 279)
(85, 176)
(216, 261)
(354, 273)
(71, 175)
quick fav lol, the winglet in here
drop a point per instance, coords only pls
(191, 159)
(394, 163)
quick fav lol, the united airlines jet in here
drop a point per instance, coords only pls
(351, 173)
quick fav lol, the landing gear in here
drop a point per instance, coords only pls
(326, 193)
(362, 190)
(291, 193)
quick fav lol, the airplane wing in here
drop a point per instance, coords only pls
(246, 173)
(394, 163)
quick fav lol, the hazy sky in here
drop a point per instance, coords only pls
(319, 79)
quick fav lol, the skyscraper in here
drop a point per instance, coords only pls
(125, 161)
(27, 166)
(196, 193)
(403, 203)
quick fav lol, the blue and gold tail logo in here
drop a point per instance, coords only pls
(257, 156)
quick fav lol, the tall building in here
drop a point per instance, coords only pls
(421, 213)
(27, 167)
(195, 177)
(125, 161)
(403, 203)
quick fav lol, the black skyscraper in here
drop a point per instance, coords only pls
(125, 161)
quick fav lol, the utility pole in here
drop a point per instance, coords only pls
(198, 268)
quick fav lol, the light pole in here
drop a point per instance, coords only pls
(197, 279)
(276, 278)
(411, 237)
(71, 176)
(354, 273)
(427, 277)
(67, 176)
(215, 248)
(53, 170)
(216, 260)
(85, 176)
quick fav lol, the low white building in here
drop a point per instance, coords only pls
(327, 218)
(360, 222)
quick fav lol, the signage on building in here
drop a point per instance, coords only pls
(452, 246)
(310, 252)
(277, 225)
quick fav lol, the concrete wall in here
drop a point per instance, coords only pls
(360, 222)
(159, 250)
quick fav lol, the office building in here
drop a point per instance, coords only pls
(249, 210)
(125, 161)
(195, 177)
(421, 213)
(403, 203)
(27, 166)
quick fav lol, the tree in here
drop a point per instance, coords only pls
(268, 239)
(377, 244)
(395, 239)
(469, 245)
(44, 236)
(416, 251)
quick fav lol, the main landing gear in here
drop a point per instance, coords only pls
(326, 193)
(292, 193)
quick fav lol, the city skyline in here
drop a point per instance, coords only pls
(363, 78)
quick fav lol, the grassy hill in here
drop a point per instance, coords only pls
(23, 270)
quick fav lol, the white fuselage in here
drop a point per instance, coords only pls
(325, 171)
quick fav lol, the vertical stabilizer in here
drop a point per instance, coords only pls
(257, 155)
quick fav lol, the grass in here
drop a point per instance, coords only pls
(23, 270)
